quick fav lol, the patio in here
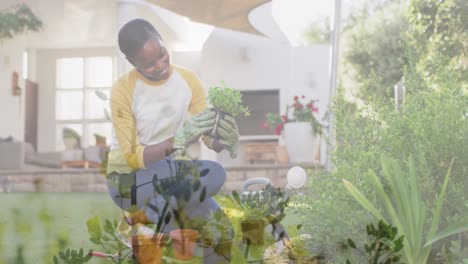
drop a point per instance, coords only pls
(369, 97)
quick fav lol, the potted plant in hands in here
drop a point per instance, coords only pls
(226, 101)
(301, 129)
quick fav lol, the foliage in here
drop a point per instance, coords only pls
(454, 252)
(181, 185)
(374, 41)
(431, 125)
(319, 32)
(227, 100)
(217, 227)
(439, 27)
(385, 244)
(16, 20)
(72, 257)
(301, 112)
(268, 204)
(105, 234)
(328, 213)
(402, 200)
(374, 46)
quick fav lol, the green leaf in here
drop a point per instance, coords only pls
(101, 95)
(236, 197)
(351, 243)
(451, 230)
(94, 229)
(361, 199)
(440, 202)
(162, 216)
(204, 172)
(167, 219)
(108, 227)
(203, 194)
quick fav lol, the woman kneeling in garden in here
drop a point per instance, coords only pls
(159, 109)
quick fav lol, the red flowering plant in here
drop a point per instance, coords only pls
(301, 112)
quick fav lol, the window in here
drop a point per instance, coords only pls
(77, 105)
(260, 103)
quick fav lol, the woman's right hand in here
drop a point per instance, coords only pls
(192, 129)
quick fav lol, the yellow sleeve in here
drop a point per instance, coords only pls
(199, 100)
(124, 123)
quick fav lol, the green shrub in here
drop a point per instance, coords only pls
(399, 195)
(431, 125)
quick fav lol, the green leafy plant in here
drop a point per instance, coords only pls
(384, 246)
(454, 252)
(299, 111)
(105, 234)
(268, 204)
(16, 20)
(183, 183)
(72, 257)
(217, 227)
(404, 207)
(227, 100)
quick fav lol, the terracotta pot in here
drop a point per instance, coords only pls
(252, 230)
(184, 241)
(148, 249)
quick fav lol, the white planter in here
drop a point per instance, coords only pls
(300, 141)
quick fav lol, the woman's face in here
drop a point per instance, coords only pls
(152, 60)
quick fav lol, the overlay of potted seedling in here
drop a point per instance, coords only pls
(226, 101)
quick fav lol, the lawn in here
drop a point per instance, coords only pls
(43, 223)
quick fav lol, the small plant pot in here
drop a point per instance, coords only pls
(148, 249)
(224, 247)
(219, 115)
(184, 241)
(252, 231)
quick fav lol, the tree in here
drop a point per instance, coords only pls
(319, 32)
(16, 20)
(374, 47)
(439, 28)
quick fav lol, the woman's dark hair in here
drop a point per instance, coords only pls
(133, 35)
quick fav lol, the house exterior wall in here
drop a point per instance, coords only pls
(243, 61)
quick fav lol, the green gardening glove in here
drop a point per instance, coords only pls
(228, 134)
(192, 129)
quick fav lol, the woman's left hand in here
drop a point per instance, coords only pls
(228, 133)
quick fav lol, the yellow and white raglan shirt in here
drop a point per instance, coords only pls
(146, 112)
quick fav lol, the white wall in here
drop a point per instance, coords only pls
(12, 110)
(309, 75)
(248, 62)
(243, 61)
